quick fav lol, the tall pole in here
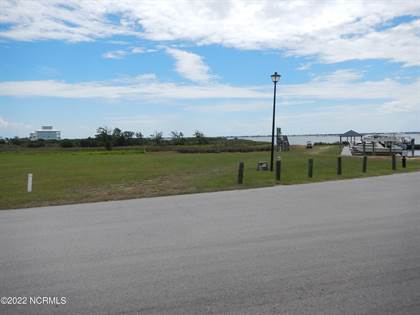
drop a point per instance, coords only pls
(272, 130)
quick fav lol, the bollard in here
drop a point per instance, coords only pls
(339, 165)
(241, 173)
(310, 167)
(278, 169)
(364, 169)
(394, 163)
(30, 182)
(404, 162)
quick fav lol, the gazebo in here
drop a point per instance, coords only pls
(352, 135)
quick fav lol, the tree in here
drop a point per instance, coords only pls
(128, 137)
(177, 137)
(15, 141)
(118, 137)
(201, 138)
(157, 137)
(139, 138)
(128, 134)
(121, 138)
(104, 136)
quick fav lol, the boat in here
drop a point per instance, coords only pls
(381, 144)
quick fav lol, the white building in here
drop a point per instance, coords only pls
(45, 133)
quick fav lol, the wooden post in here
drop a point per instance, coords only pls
(310, 167)
(404, 162)
(364, 148)
(241, 173)
(373, 147)
(278, 169)
(339, 165)
(364, 169)
(394, 163)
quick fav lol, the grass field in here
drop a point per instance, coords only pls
(62, 177)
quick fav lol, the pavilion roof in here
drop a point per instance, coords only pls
(351, 133)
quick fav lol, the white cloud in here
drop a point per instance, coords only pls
(189, 65)
(333, 31)
(341, 85)
(119, 42)
(121, 53)
(142, 87)
(72, 21)
(399, 44)
(137, 50)
(115, 54)
(10, 127)
(341, 75)
(304, 66)
(230, 107)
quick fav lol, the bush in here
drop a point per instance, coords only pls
(36, 144)
(66, 143)
(89, 142)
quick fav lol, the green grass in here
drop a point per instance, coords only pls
(84, 176)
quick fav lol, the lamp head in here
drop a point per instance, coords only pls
(275, 77)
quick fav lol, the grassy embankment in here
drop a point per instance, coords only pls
(84, 176)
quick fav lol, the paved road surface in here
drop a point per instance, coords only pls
(347, 247)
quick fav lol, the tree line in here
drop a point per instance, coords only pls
(109, 138)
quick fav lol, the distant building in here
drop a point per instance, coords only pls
(45, 133)
(352, 135)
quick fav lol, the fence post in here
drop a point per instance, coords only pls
(310, 167)
(404, 162)
(241, 173)
(278, 169)
(364, 169)
(394, 163)
(364, 148)
(30, 182)
(339, 165)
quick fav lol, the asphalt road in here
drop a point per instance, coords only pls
(347, 247)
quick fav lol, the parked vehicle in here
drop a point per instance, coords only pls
(309, 145)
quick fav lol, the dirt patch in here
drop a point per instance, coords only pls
(165, 185)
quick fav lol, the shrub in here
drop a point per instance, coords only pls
(36, 144)
(66, 143)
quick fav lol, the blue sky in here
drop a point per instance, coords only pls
(185, 65)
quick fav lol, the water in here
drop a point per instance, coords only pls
(319, 138)
(301, 140)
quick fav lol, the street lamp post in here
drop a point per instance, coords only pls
(275, 78)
